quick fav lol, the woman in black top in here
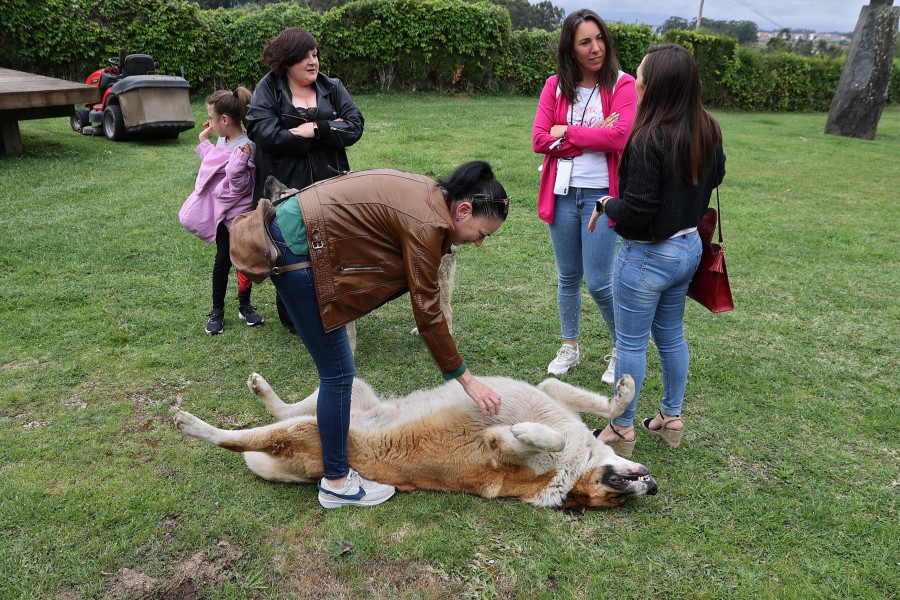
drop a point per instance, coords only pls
(300, 119)
(671, 164)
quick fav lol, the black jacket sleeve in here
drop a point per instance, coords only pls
(346, 132)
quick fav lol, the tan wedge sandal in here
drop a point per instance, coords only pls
(620, 445)
(672, 436)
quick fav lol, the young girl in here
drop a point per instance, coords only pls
(224, 189)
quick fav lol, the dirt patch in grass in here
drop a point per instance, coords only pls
(203, 571)
(16, 365)
(309, 568)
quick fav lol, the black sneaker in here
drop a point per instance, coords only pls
(216, 323)
(248, 313)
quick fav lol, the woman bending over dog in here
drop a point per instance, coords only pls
(363, 239)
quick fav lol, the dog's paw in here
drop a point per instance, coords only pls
(186, 423)
(257, 384)
(538, 435)
(415, 331)
(624, 393)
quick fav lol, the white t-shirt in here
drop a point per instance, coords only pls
(590, 169)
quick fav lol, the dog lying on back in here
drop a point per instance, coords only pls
(537, 449)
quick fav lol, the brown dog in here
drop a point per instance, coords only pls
(537, 449)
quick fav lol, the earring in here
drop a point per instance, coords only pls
(459, 218)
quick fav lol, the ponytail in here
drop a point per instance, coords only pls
(474, 182)
(232, 103)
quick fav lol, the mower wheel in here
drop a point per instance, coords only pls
(114, 123)
(79, 119)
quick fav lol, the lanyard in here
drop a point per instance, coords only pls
(584, 112)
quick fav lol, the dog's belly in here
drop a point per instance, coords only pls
(443, 452)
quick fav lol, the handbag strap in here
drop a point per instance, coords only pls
(290, 192)
(294, 267)
(718, 205)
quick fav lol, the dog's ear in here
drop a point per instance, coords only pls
(571, 502)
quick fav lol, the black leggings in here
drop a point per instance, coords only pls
(221, 269)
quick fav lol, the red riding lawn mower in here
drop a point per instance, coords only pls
(136, 101)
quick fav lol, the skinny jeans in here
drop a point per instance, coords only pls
(582, 255)
(651, 283)
(330, 352)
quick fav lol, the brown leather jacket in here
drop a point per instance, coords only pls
(373, 236)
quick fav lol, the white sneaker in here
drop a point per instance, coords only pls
(566, 358)
(357, 491)
(609, 376)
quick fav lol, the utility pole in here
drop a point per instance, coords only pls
(700, 16)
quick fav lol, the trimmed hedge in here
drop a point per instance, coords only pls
(531, 59)
(780, 81)
(416, 44)
(894, 88)
(383, 44)
(72, 38)
(631, 43)
(713, 54)
(239, 36)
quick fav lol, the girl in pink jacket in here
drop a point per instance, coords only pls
(582, 123)
(224, 189)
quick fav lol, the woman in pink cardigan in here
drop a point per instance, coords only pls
(582, 123)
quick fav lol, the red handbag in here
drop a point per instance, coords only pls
(710, 285)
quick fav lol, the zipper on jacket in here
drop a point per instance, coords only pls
(360, 268)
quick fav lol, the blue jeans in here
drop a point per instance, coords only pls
(650, 287)
(582, 254)
(330, 353)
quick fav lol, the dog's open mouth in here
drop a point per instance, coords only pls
(623, 480)
(639, 482)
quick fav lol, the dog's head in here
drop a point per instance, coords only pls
(608, 485)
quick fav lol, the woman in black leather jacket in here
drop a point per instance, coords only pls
(300, 119)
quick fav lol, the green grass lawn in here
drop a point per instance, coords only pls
(786, 484)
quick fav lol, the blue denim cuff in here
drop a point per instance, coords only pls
(455, 372)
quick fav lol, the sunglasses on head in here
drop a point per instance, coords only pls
(488, 198)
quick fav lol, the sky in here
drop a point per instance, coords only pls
(820, 15)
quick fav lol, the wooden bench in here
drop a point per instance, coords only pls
(28, 96)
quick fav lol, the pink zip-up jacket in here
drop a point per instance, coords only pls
(553, 110)
(224, 189)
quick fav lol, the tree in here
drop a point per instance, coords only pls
(673, 23)
(823, 48)
(525, 15)
(803, 46)
(780, 42)
(318, 6)
(745, 32)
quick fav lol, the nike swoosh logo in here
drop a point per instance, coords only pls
(357, 496)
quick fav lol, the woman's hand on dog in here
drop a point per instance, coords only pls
(487, 399)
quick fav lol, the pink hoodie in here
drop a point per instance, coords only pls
(224, 189)
(552, 109)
